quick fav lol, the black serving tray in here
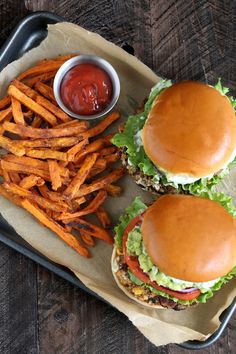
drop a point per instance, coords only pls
(28, 34)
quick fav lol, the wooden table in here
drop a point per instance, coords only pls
(41, 313)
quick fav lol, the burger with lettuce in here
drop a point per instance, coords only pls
(184, 140)
(177, 252)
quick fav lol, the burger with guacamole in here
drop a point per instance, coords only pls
(183, 140)
(177, 252)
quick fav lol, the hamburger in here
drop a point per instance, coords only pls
(177, 252)
(183, 140)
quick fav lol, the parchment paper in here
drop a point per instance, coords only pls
(159, 326)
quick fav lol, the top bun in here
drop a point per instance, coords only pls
(190, 238)
(190, 130)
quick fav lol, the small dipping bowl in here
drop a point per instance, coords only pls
(96, 61)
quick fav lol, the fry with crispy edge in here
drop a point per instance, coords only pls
(50, 143)
(54, 171)
(100, 127)
(31, 181)
(86, 238)
(14, 167)
(17, 111)
(112, 158)
(45, 90)
(30, 162)
(44, 102)
(80, 177)
(75, 149)
(15, 199)
(29, 132)
(40, 78)
(101, 182)
(92, 229)
(14, 177)
(68, 238)
(45, 154)
(41, 69)
(5, 101)
(43, 202)
(34, 106)
(92, 147)
(89, 209)
(36, 122)
(103, 217)
(113, 190)
(14, 147)
(6, 113)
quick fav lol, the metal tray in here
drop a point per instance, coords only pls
(28, 34)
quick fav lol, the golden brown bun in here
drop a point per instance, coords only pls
(190, 238)
(191, 129)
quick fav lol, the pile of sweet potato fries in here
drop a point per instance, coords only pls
(56, 167)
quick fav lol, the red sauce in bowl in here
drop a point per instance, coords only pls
(86, 89)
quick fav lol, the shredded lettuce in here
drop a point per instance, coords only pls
(136, 208)
(136, 153)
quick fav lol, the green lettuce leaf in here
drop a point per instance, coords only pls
(134, 209)
(130, 139)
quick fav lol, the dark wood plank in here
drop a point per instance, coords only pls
(18, 304)
(11, 12)
(71, 321)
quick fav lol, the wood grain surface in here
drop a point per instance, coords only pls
(40, 312)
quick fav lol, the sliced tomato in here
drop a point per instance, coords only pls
(133, 264)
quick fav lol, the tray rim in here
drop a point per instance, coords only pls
(50, 17)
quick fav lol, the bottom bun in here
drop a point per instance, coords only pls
(160, 302)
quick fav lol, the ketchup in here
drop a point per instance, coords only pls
(86, 89)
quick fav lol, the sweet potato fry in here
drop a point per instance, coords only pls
(4, 102)
(66, 56)
(31, 181)
(100, 183)
(28, 114)
(40, 78)
(92, 147)
(86, 238)
(53, 109)
(27, 90)
(46, 154)
(92, 229)
(14, 147)
(6, 113)
(6, 176)
(53, 143)
(72, 123)
(80, 177)
(54, 196)
(40, 69)
(75, 149)
(34, 106)
(68, 238)
(45, 90)
(14, 177)
(79, 201)
(94, 172)
(43, 202)
(37, 121)
(17, 111)
(112, 158)
(14, 167)
(107, 151)
(89, 209)
(54, 171)
(31, 162)
(29, 132)
(113, 190)
(15, 199)
(100, 127)
(103, 217)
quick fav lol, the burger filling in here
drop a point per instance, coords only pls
(134, 266)
(130, 140)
